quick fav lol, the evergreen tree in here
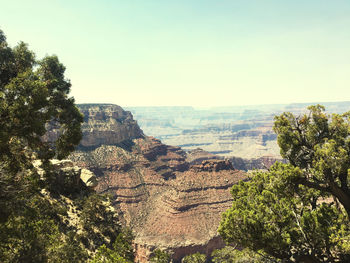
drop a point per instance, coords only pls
(38, 120)
(288, 213)
(319, 144)
(160, 256)
(34, 95)
(195, 258)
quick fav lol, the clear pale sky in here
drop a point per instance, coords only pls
(191, 52)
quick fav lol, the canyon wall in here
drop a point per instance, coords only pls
(168, 200)
(234, 132)
(107, 124)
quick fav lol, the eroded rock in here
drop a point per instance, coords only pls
(106, 124)
(89, 178)
(68, 176)
(168, 202)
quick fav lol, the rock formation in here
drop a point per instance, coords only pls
(107, 124)
(261, 163)
(198, 155)
(169, 202)
(69, 198)
(68, 176)
(238, 131)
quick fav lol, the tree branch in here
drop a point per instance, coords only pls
(313, 185)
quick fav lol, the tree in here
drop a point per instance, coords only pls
(286, 213)
(160, 256)
(278, 221)
(230, 254)
(32, 234)
(123, 244)
(107, 255)
(319, 144)
(38, 120)
(33, 96)
(122, 250)
(195, 258)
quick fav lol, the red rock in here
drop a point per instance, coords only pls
(168, 203)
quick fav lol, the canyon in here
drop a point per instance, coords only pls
(171, 199)
(241, 133)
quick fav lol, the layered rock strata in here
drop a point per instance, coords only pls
(107, 124)
(169, 203)
(262, 163)
(198, 155)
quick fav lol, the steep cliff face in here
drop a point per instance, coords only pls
(169, 202)
(107, 124)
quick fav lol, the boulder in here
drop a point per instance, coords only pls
(67, 176)
(88, 178)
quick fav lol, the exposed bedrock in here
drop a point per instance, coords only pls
(107, 124)
(197, 156)
(169, 202)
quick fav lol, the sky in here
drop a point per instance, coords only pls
(201, 53)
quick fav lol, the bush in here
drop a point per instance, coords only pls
(194, 258)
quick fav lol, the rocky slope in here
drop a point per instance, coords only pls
(169, 201)
(74, 206)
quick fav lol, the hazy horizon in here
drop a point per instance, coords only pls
(222, 106)
(191, 53)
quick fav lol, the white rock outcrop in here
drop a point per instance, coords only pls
(67, 167)
(89, 178)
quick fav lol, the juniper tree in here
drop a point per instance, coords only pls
(291, 212)
(33, 95)
(319, 144)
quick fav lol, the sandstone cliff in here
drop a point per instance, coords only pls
(107, 124)
(168, 201)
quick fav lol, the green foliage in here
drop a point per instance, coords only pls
(106, 255)
(282, 213)
(123, 244)
(25, 240)
(230, 254)
(160, 256)
(195, 258)
(122, 250)
(33, 235)
(67, 250)
(97, 218)
(34, 96)
(319, 144)
(100, 223)
(270, 216)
